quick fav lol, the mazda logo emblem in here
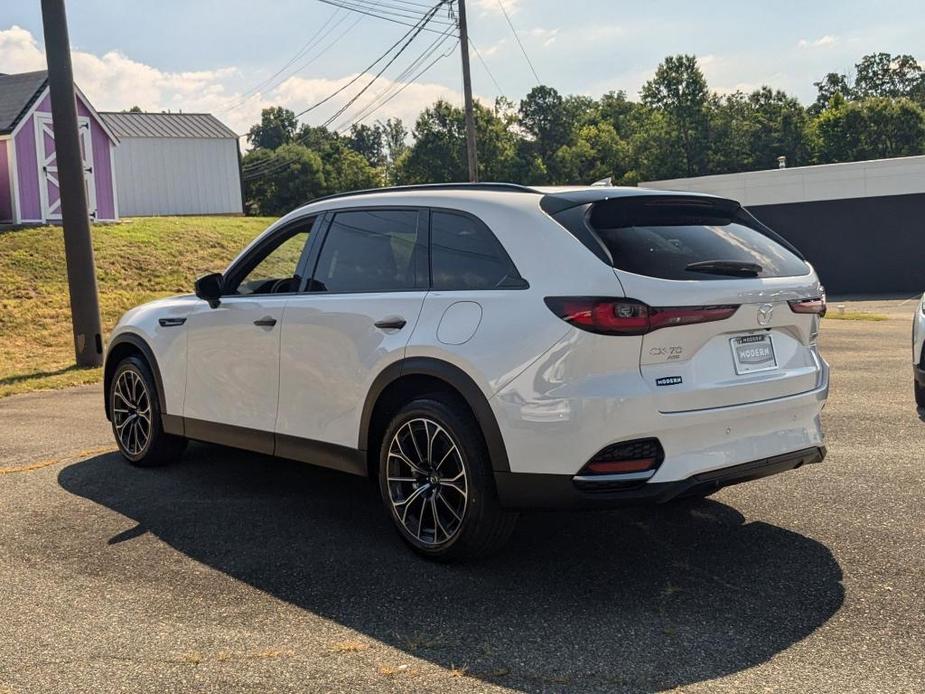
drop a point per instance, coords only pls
(765, 313)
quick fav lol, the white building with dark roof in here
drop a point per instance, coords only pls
(175, 164)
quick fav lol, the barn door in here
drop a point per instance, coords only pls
(49, 188)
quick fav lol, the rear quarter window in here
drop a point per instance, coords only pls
(465, 255)
(663, 237)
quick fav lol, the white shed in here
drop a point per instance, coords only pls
(175, 164)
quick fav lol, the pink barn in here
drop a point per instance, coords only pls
(28, 168)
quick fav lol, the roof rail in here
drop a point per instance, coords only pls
(497, 187)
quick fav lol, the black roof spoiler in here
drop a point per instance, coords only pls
(556, 203)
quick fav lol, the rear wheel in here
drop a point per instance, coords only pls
(136, 417)
(919, 394)
(436, 482)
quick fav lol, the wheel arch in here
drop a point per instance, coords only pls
(454, 379)
(125, 345)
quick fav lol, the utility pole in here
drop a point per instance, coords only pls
(78, 246)
(471, 153)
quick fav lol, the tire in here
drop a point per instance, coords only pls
(443, 502)
(132, 395)
(919, 394)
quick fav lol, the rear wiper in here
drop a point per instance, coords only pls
(734, 268)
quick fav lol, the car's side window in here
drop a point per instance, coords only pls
(372, 251)
(466, 255)
(275, 270)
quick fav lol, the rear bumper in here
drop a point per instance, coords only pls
(522, 491)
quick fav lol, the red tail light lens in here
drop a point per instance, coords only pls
(816, 306)
(607, 316)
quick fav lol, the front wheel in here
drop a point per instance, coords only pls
(436, 482)
(136, 417)
(919, 394)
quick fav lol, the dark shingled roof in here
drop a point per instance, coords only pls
(169, 125)
(17, 94)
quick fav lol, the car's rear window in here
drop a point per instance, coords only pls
(685, 239)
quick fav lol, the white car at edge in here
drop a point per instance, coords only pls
(918, 353)
(488, 348)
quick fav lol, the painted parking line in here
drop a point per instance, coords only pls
(57, 461)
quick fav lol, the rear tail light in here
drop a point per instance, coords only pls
(607, 316)
(814, 306)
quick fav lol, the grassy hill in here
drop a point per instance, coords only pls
(137, 260)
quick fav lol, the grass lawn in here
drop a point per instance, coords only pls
(137, 260)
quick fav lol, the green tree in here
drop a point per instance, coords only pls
(596, 153)
(438, 154)
(830, 85)
(291, 175)
(679, 90)
(615, 108)
(395, 143)
(882, 74)
(544, 118)
(733, 126)
(876, 74)
(653, 150)
(874, 128)
(779, 125)
(277, 127)
(368, 140)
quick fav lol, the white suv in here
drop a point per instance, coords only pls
(482, 349)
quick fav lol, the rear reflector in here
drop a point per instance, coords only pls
(617, 466)
(816, 306)
(607, 316)
(621, 466)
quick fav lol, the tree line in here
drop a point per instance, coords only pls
(677, 128)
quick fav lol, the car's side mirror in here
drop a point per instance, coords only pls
(209, 288)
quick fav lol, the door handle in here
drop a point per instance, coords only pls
(391, 324)
(265, 322)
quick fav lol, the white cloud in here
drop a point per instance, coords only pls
(114, 81)
(821, 42)
(493, 48)
(19, 51)
(488, 7)
(414, 99)
(600, 32)
(544, 36)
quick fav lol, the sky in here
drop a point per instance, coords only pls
(220, 56)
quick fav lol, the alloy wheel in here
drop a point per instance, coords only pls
(426, 480)
(131, 412)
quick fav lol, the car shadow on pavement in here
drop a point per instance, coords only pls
(645, 598)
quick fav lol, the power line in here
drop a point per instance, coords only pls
(253, 169)
(266, 169)
(391, 16)
(407, 84)
(401, 81)
(308, 45)
(485, 65)
(269, 84)
(517, 37)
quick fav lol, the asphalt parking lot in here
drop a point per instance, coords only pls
(231, 572)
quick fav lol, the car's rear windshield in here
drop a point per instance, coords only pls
(686, 239)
